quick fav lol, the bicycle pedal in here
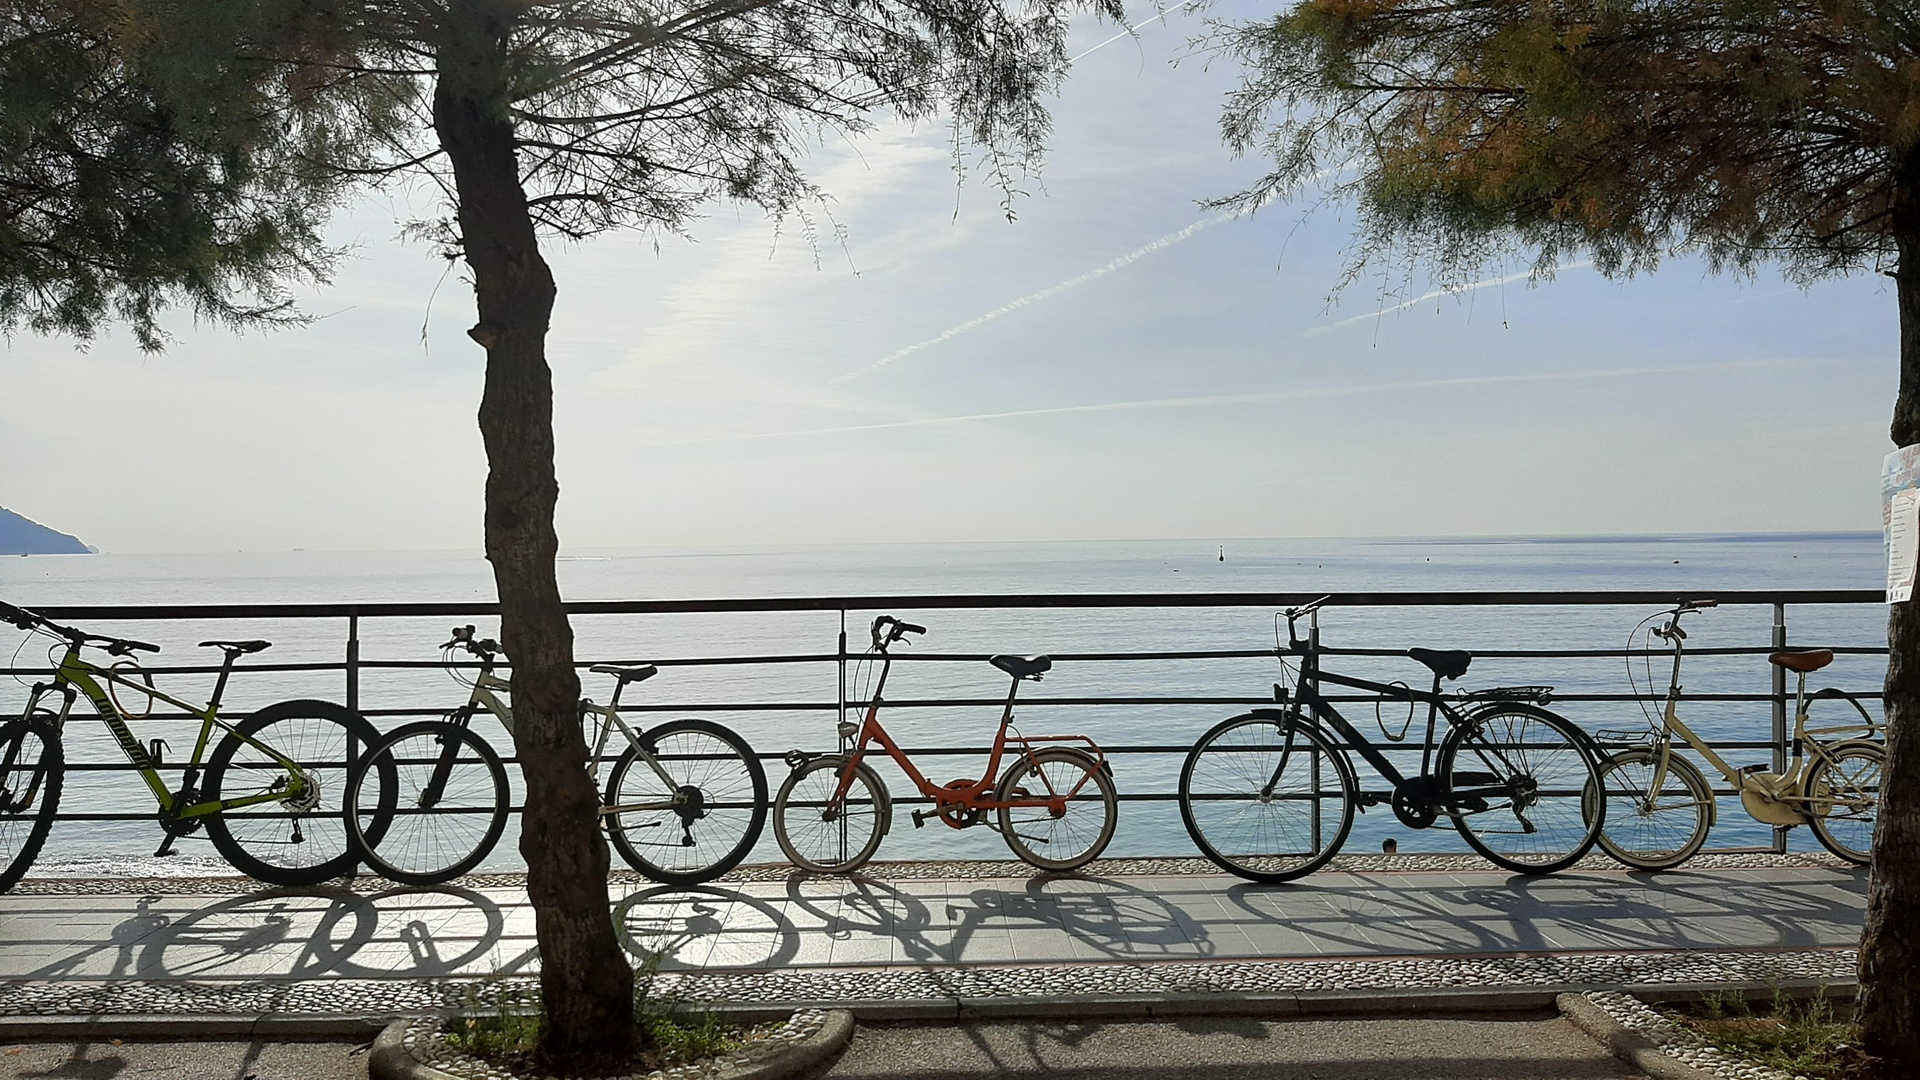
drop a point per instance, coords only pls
(919, 819)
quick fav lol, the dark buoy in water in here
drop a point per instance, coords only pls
(1223, 553)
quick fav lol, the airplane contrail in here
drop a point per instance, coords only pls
(1033, 298)
(1317, 394)
(1129, 30)
(1434, 295)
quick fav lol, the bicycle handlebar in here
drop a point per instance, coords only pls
(27, 620)
(463, 637)
(1670, 630)
(895, 630)
(1294, 614)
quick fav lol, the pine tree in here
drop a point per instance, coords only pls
(565, 118)
(1751, 132)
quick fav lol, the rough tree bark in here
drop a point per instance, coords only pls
(1889, 1007)
(584, 975)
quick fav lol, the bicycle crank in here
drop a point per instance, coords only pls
(1414, 801)
(1766, 796)
(171, 820)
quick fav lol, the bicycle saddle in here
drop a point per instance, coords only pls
(1809, 660)
(628, 674)
(1446, 663)
(238, 647)
(1021, 667)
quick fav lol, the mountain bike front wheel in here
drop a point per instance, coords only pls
(32, 764)
(821, 835)
(1266, 797)
(282, 841)
(449, 810)
(1079, 832)
(691, 809)
(1843, 798)
(1648, 829)
(1519, 781)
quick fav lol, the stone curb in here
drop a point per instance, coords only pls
(390, 1059)
(1629, 1046)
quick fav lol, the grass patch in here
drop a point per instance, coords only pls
(502, 1025)
(1811, 1037)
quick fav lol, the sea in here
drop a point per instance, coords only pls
(1168, 702)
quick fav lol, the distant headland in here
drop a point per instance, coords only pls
(24, 536)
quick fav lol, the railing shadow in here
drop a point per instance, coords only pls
(811, 921)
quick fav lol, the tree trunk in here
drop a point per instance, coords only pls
(584, 975)
(1889, 1007)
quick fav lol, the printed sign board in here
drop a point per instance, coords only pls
(1900, 511)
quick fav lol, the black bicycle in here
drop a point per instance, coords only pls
(1270, 795)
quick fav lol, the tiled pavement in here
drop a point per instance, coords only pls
(801, 924)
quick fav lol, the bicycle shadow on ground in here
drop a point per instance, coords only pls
(295, 934)
(1567, 912)
(703, 927)
(1046, 917)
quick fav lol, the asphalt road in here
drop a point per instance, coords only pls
(1532, 1047)
(131, 1060)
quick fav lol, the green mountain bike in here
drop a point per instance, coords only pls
(268, 795)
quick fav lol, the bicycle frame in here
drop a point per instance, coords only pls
(971, 795)
(1306, 694)
(485, 696)
(1782, 788)
(76, 676)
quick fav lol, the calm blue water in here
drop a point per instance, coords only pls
(1689, 566)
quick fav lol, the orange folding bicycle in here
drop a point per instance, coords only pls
(1055, 806)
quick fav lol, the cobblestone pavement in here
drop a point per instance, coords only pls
(805, 938)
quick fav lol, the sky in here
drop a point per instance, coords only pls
(1117, 363)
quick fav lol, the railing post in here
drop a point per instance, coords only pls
(840, 695)
(353, 662)
(1779, 714)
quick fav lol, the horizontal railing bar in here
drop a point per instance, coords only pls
(234, 714)
(958, 601)
(1148, 749)
(968, 658)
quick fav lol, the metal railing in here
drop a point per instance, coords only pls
(353, 667)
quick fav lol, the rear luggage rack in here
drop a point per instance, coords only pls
(1539, 695)
(1623, 736)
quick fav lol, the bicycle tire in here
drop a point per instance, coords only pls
(1245, 830)
(1546, 764)
(868, 824)
(330, 736)
(429, 845)
(1658, 833)
(1828, 785)
(721, 775)
(29, 793)
(1076, 768)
